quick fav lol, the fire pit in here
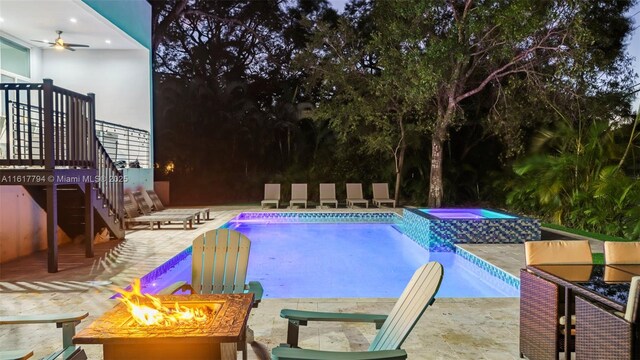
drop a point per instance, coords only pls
(123, 337)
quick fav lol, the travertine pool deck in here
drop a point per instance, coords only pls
(451, 329)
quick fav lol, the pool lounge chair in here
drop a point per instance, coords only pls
(271, 195)
(68, 324)
(298, 195)
(381, 195)
(354, 195)
(145, 208)
(132, 215)
(328, 194)
(393, 328)
(219, 263)
(202, 212)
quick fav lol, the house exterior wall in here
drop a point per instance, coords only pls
(134, 18)
(23, 229)
(138, 179)
(119, 78)
(36, 64)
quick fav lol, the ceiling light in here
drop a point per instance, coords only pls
(108, 41)
(73, 20)
(1, 20)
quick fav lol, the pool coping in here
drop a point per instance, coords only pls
(489, 267)
(511, 216)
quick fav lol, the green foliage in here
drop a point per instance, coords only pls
(228, 109)
(577, 178)
(597, 236)
(458, 50)
(598, 258)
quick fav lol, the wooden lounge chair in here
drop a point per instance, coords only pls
(219, 261)
(145, 209)
(381, 195)
(602, 333)
(132, 215)
(622, 252)
(298, 194)
(328, 194)
(354, 195)
(271, 195)
(158, 207)
(393, 328)
(68, 324)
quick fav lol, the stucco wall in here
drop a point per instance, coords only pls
(138, 179)
(23, 224)
(119, 78)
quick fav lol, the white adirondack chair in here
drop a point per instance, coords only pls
(219, 261)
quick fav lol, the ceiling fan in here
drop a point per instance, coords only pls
(60, 44)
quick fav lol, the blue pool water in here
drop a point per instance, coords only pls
(329, 260)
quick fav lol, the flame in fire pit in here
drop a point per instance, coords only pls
(149, 310)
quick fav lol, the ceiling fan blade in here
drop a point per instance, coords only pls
(44, 42)
(76, 45)
(69, 48)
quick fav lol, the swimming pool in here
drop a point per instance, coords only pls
(342, 260)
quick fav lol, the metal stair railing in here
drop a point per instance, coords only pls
(110, 183)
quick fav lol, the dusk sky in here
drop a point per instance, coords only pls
(634, 41)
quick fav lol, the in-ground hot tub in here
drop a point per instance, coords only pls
(466, 214)
(438, 227)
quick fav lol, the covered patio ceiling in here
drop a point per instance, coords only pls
(29, 20)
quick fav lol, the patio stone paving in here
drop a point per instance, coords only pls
(451, 329)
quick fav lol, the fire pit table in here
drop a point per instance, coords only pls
(124, 338)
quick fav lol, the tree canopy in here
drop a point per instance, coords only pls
(456, 50)
(442, 97)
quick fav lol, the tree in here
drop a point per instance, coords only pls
(364, 99)
(458, 49)
(224, 86)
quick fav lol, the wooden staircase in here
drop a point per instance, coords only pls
(71, 210)
(50, 148)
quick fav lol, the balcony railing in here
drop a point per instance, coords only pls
(45, 125)
(123, 143)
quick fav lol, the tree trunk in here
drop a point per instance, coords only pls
(436, 187)
(435, 176)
